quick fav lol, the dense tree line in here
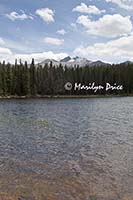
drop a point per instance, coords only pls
(22, 79)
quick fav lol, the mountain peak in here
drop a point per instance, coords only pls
(127, 62)
(66, 59)
(74, 61)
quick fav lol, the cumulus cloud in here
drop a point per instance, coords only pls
(46, 14)
(7, 55)
(117, 50)
(40, 56)
(91, 9)
(125, 4)
(53, 41)
(113, 51)
(5, 51)
(61, 32)
(16, 16)
(108, 25)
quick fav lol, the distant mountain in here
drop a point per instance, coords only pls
(98, 63)
(70, 62)
(75, 61)
(48, 61)
(127, 62)
(66, 59)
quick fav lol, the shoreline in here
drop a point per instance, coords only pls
(64, 96)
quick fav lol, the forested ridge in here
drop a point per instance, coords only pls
(22, 79)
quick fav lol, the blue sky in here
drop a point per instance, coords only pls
(98, 29)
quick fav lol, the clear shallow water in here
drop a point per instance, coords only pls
(66, 149)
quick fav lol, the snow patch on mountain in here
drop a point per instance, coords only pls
(73, 61)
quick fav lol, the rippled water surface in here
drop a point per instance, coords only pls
(66, 149)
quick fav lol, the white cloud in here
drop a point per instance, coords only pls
(40, 56)
(61, 32)
(91, 9)
(54, 41)
(5, 51)
(16, 16)
(125, 4)
(2, 41)
(115, 51)
(7, 55)
(46, 14)
(118, 50)
(108, 25)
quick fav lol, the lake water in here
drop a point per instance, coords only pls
(66, 149)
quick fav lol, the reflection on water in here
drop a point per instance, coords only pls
(68, 149)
